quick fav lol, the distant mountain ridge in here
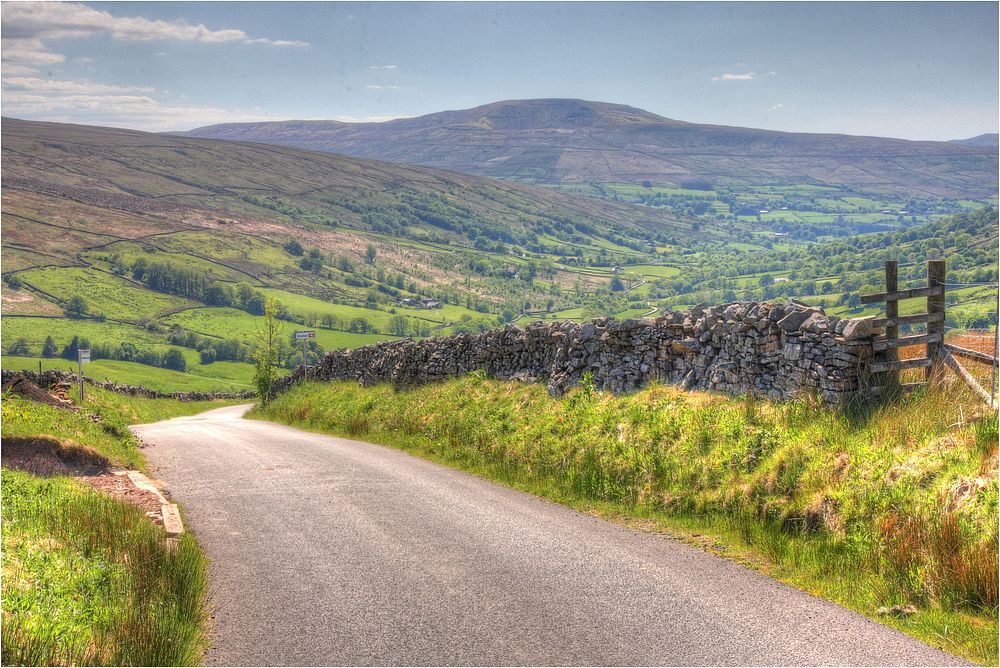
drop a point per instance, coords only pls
(987, 140)
(577, 141)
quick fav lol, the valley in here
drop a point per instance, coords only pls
(158, 252)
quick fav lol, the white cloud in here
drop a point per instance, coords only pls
(27, 24)
(23, 55)
(383, 67)
(62, 20)
(381, 87)
(776, 107)
(749, 76)
(47, 86)
(746, 76)
(139, 112)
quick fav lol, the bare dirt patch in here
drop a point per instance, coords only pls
(121, 487)
(19, 302)
(46, 456)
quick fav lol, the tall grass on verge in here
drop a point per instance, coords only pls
(891, 505)
(88, 580)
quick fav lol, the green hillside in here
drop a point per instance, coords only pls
(137, 244)
(158, 253)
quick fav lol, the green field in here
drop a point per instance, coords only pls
(62, 330)
(105, 293)
(218, 376)
(229, 323)
(656, 271)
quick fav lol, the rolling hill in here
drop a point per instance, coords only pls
(165, 237)
(574, 141)
(136, 243)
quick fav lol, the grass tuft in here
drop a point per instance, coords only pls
(91, 581)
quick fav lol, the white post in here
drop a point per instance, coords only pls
(79, 361)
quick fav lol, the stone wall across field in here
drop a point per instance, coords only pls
(778, 351)
(50, 378)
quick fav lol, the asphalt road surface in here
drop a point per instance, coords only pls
(327, 551)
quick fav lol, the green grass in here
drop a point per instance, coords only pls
(232, 324)
(88, 580)
(654, 270)
(129, 252)
(104, 293)
(215, 377)
(860, 509)
(303, 305)
(62, 330)
(248, 254)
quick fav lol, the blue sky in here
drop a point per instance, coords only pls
(913, 70)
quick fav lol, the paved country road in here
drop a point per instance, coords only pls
(327, 551)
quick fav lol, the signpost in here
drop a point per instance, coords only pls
(83, 355)
(304, 337)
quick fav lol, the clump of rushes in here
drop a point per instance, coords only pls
(870, 509)
(88, 580)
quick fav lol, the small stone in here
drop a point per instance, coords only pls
(896, 611)
(794, 320)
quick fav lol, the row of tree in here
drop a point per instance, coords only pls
(173, 358)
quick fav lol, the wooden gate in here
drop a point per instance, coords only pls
(887, 365)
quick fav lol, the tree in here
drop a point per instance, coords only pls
(293, 247)
(370, 254)
(313, 261)
(49, 347)
(13, 281)
(76, 307)
(266, 341)
(19, 347)
(174, 359)
(398, 325)
(617, 285)
(70, 350)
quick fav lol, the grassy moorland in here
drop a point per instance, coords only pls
(896, 506)
(89, 580)
(541, 141)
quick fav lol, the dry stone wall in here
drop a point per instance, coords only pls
(777, 351)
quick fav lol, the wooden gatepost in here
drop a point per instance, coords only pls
(939, 355)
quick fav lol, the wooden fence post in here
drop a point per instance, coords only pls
(935, 304)
(891, 331)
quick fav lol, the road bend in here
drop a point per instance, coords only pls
(328, 551)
